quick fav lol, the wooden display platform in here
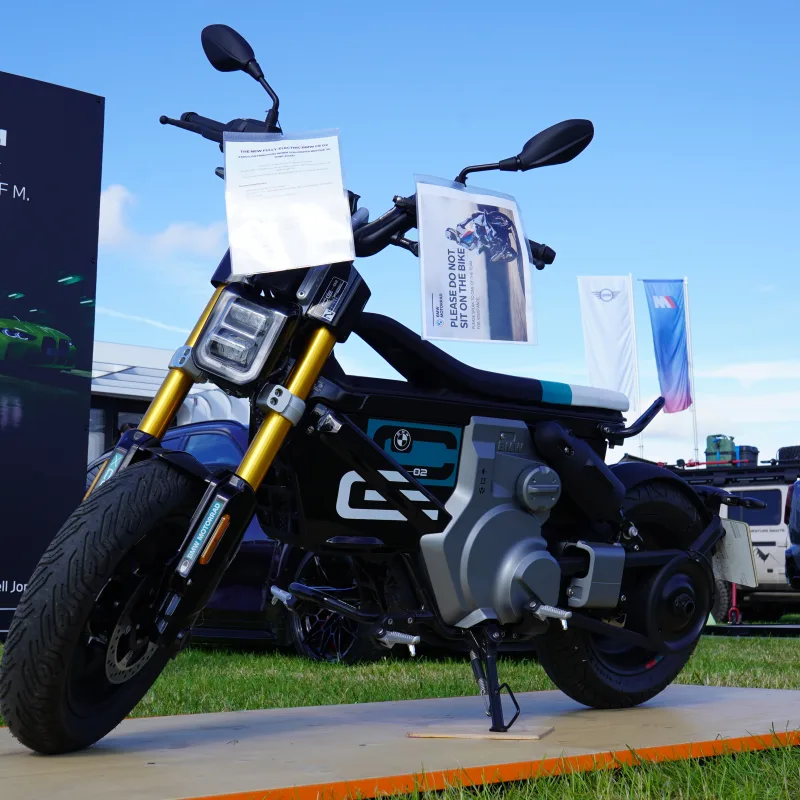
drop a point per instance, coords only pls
(334, 752)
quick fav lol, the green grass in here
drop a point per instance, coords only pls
(205, 680)
(208, 680)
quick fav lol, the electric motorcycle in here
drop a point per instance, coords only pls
(476, 507)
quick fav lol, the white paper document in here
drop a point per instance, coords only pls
(475, 265)
(285, 202)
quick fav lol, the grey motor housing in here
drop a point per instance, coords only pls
(491, 561)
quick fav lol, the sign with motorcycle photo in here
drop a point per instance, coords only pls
(475, 265)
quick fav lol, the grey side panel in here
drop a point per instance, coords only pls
(492, 558)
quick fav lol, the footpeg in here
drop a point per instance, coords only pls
(391, 638)
(281, 596)
(544, 612)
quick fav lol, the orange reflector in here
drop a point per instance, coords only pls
(209, 549)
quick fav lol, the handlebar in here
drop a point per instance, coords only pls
(211, 124)
(211, 129)
(370, 238)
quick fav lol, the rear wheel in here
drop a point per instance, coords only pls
(599, 672)
(82, 650)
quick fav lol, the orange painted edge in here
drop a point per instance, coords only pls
(517, 771)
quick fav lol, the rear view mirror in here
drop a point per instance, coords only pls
(555, 145)
(229, 51)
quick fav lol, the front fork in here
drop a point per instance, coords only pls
(218, 525)
(168, 400)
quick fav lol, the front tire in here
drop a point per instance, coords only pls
(591, 669)
(80, 654)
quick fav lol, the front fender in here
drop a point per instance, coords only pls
(185, 462)
(634, 473)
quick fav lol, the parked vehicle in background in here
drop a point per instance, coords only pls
(30, 343)
(241, 609)
(773, 483)
(793, 551)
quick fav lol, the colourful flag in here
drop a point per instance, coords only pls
(666, 302)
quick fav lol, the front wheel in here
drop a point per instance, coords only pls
(82, 650)
(599, 672)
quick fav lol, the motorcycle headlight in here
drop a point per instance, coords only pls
(238, 338)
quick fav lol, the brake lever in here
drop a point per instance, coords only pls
(407, 244)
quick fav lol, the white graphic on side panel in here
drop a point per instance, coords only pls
(3, 135)
(345, 510)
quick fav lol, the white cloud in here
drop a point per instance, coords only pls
(191, 238)
(186, 238)
(114, 231)
(110, 312)
(753, 372)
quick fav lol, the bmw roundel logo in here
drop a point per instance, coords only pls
(401, 440)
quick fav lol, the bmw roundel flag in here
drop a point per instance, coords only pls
(666, 304)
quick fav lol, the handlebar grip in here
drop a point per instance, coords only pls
(375, 236)
(205, 122)
(541, 252)
(212, 135)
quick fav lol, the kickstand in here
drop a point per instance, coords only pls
(483, 658)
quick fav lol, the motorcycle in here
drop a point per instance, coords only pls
(476, 508)
(487, 231)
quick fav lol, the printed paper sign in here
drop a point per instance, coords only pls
(286, 203)
(475, 265)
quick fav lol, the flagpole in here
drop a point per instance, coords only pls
(638, 397)
(691, 366)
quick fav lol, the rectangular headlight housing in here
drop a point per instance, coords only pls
(238, 338)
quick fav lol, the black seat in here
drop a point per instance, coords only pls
(426, 366)
(429, 367)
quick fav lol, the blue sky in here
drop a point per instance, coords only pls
(693, 170)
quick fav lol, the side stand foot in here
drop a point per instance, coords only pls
(483, 658)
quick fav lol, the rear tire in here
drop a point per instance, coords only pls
(590, 669)
(75, 665)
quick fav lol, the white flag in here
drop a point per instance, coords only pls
(609, 334)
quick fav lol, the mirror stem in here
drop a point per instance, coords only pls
(462, 176)
(271, 92)
(271, 122)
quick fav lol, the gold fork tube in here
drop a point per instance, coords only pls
(176, 386)
(270, 436)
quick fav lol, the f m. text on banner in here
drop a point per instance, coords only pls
(666, 302)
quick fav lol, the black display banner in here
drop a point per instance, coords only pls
(51, 144)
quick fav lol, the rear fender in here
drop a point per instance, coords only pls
(633, 474)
